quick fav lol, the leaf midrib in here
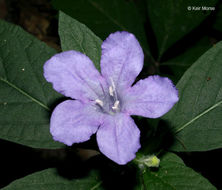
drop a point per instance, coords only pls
(96, 185)
(96, 6)
(24, 93)
(198, 116)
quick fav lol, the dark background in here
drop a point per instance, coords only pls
(39, 18)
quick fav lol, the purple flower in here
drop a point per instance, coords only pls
(104, 102)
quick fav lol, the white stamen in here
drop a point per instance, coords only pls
(116, 105)
(100, 102)
(111, 91)
(113, 85)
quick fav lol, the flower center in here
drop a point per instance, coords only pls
(110, 103)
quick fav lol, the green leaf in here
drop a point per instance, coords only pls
(196, 118)
(218, 19)
(178, 65)
(25, 96)
(173, 175)
(76, 36)
(104, 17)
(171, 19)
(49, 179)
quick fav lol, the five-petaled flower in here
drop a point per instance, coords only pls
(103, 103)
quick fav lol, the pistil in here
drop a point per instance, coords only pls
(113, 94)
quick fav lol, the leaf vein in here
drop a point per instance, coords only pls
(96, 186)
(198, 116)
(24, 93)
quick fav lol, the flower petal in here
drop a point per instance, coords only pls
(74, 75)
(122, 59)
(118, 138)
(151, 97)
(73, 121)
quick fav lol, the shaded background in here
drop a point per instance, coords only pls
(39, 17)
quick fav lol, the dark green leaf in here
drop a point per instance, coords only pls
(173, 175)
(25, 96)
(50, 180)
(178, 65)
(196, 118)
(171, 19)
(218, 19)
(76, 36)
(104, 17)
